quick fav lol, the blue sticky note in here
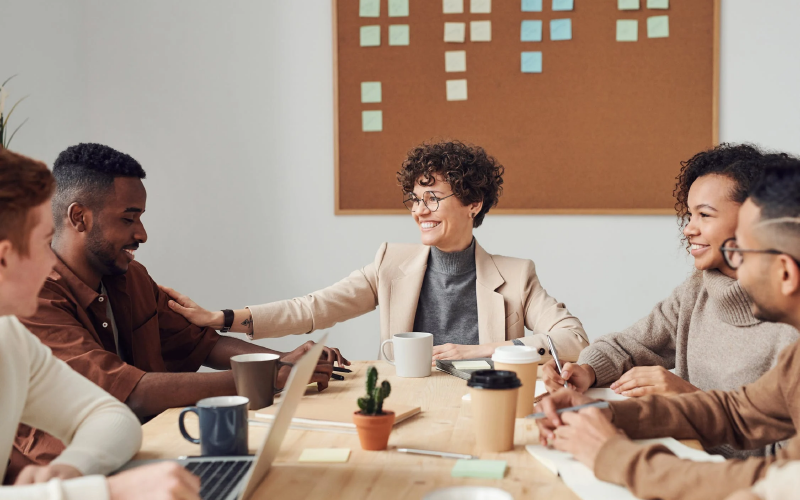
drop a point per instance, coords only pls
(531, 5)
(561, 29)
(563, 5)
(531, 62)
(484, 469)
(531, 31)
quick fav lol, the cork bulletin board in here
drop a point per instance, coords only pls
(591, 114)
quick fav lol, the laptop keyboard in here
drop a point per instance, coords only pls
(218, 478)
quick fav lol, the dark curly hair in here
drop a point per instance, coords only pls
(777, 192)
(739, 162)
(473, 175)
(85, 172)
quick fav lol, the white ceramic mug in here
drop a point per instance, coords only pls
(413, 353)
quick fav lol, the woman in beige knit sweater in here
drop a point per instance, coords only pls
(705, 329)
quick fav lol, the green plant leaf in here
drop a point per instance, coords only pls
(5, 123)
(7, 80)
(15, 133)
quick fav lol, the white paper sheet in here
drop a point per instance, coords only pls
(581, 480)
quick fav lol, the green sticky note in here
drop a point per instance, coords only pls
(483, 469)
(370, 36)
(369, 8)
(658, 27)
(398, 8)
(627, 30)
(658, 4)
(331, 455)
(628, 4)
(372, 121)
(471, 365)
(398, 34)
(370, 92)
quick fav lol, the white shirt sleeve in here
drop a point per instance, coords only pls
(82, 488)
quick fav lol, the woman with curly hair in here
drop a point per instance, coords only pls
(705, 330)
(471, 301)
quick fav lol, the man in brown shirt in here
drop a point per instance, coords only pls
(766, 252)
(102, 313)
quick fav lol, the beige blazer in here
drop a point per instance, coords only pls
(510, 298)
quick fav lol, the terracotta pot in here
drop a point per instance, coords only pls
(374, 430)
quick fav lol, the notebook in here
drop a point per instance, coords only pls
(452, 369)
(335, 412)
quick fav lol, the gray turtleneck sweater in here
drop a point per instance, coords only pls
(704, 330)
(448, 301)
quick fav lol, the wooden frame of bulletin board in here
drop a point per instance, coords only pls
(601, 129)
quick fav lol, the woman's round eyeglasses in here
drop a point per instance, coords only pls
(429, 198)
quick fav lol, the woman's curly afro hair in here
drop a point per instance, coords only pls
(473, 175)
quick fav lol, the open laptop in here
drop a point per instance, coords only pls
(232, 478)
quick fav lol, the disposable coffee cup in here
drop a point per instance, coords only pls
(524, 361)
(494, 408)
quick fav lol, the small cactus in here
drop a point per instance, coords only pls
(372, 403)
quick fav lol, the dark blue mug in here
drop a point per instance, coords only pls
(223, 425)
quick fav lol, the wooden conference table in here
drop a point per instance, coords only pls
(445, 424)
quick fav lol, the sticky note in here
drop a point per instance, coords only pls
(455, 32)
(480, 6)
(531, 62)
(658, 4)
(561, 29)
(455, 61)
(331, 455)
(483, 469)
(471, 365)
(658, 27)
(372, 121)
(531, 31)
(453, 6)
(627, 30)
(628, 4)
(563, 5)
(531, 5)
(480, 31)
(370, 92)
(398, 34)
(398, 8)
(456, 90)
(369, 8)
(370, 36)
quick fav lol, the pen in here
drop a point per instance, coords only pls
(341, 369)
(442, 454)
(594, 404)
(336, 377)
(555, 358)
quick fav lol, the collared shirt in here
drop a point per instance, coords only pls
(73, 321)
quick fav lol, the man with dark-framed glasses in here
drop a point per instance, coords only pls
(765, 254)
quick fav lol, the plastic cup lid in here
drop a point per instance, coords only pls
(493, 379)
(516, 355)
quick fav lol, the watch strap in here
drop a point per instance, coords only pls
(228, 320)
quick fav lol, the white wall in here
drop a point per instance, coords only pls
(229, 108)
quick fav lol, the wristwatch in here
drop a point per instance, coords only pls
(228, 320)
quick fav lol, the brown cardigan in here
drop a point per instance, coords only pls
(766, 411)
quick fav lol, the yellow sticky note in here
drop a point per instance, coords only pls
(480, 6)
(455, 61)
(471, 365)
(658, 27)
(330, 455)
(627, 30)
(453, 6)
(480, 31)
(455, 32)
(628, 4)
(456, 90)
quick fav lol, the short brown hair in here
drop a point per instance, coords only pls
(472, 174)
(24, 184)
